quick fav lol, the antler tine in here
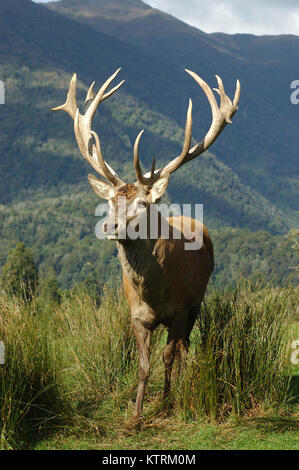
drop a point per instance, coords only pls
(237, 95)
(143, 179)
(207, 90)
(90, 158)
(153, 167)
(70, 106)
(101, 96)
(90, 94)
(136, 158)
(95, 158)
(221, 116)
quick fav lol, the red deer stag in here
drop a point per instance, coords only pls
(163, 282)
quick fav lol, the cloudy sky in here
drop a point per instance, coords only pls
(235, 16)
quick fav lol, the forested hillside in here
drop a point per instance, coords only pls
(61, 233)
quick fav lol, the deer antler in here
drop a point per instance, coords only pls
(88, 140)
(220, 117)
(154, 176)
(143, 180)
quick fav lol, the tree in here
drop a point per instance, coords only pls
(49, 294)
(20, 275)
(293, 236)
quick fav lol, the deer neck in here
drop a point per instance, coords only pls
(140, 259)
(137, 258)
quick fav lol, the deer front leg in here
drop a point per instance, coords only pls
(143, 338)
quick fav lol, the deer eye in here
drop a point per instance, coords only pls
(142, 204)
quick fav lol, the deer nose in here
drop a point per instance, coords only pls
(109, 228)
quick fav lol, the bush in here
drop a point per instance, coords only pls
(20, 276)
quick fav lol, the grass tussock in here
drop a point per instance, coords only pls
(74, 368)
(240, 355)
(31, 389)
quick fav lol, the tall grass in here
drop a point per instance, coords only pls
(60, 361)
(241, 352)
(31, 396)
(81, 358)
(99, 347)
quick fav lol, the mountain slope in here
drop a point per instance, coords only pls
(262, 144)
(37, 148)
(38, 53)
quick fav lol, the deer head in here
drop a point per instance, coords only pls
(130, 202)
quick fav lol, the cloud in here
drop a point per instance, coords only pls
(235, 16)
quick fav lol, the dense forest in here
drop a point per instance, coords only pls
(61, 234)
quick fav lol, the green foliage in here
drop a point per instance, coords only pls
(65, 241)
(51, 206)
(293, 236)
(101, 347)
(71, 355)
(49, 294)
(255, 255)
(20, 276)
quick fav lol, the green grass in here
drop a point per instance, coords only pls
(244, 434)
(70, 377)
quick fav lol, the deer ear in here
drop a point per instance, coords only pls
(158, 188)
(101, 188)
